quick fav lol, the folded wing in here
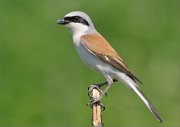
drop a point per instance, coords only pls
(99, 47)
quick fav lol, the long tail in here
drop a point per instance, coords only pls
(146, 101)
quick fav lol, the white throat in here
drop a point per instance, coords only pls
(77, 28)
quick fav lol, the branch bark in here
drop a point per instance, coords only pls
(96, 109)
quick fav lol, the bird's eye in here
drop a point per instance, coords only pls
(76, 18)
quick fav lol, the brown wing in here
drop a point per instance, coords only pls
(97, 45)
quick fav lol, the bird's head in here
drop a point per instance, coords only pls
(77, 22)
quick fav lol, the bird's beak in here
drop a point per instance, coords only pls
(62, 22)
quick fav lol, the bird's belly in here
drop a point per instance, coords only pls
(92, 61)
(87, 57)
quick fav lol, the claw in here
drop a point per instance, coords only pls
(91, 87)
(97, 102)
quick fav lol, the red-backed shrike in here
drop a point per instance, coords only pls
(95, 51)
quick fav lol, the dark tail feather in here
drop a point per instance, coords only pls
(151, 107)
(146, 101)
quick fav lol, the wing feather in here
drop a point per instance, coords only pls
(99, 47)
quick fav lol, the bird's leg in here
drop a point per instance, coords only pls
(90, 93)
(102, 84)
(102, 94)
(98, 86)
(95, 101)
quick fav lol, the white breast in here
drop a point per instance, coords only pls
(91, 59)
(85, 55)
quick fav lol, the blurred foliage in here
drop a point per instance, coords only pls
(44, 83)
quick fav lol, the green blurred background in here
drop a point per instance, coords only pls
(43, 83)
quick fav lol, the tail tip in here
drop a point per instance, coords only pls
(160, 120)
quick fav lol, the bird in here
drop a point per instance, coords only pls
(97, 53)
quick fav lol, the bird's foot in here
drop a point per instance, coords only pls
(95, 100)
(95, 86)
(90, 89)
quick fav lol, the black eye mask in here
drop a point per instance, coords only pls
(77, 19)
